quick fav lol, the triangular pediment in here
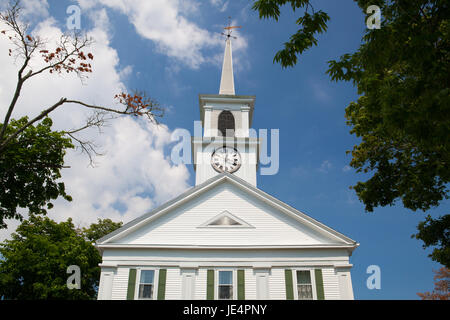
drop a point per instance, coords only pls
(225, 219)
(226, 211)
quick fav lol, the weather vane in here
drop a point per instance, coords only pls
(229, 29)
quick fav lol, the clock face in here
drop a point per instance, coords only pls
(226, 159)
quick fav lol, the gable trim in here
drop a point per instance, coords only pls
(240, 183)
(227, 247)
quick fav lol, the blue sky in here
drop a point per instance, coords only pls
(301, 102)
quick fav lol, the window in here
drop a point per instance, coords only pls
(226, 123)
(225, 221)
(225, 285)
(146, 284)
(304, 285)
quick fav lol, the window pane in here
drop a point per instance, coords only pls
(224, 221)
(225, 277)
(147, 276)
(146, 291)
(305, 292)
(226, 292)
(303, 277)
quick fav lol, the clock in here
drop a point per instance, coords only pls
(226, 159)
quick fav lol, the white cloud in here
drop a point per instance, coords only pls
(346, 168)
(321, 92)
(325, 166)
(34, 9)
(126, 72)
(166, 23)
(134, 172)
(222, 5)
(162, 22)
(135, 175)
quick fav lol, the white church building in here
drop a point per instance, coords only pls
(225, 238)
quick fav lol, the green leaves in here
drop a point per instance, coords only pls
(100, 229)
(34, 263)
(30, 169)
(436, 233)
(304, 38)
(403, 114)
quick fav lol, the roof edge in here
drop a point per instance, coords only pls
(240, 183)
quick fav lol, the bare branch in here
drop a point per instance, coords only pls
(87, 147)
(98, 119)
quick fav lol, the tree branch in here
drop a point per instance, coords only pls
(39, 117)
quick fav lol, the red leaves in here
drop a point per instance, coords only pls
(29, 38)
(81, 55)
(441, 286)
(136, 104)
(70, 62)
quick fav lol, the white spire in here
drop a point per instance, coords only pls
(227, 80)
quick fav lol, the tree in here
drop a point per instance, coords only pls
(37, 155)
(441, 286)
(436, 233)
(35, 261)
(17, 143)
(402, 115)
(309, 24)
(100, 229)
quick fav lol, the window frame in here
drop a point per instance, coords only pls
(227, 113)
(138, 283)
(313, 282)
(233, 279)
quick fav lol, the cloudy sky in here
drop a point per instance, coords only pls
(173, 50)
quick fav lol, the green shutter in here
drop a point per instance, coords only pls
(319, 284)
(241, 284)
(131, 284)
(210, 285)
(162, 284)
(289, 284)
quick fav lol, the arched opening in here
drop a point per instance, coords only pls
(226, 123)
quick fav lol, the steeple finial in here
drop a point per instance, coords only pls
(227, 79)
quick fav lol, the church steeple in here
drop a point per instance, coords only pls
(226, 144)
(227, 79)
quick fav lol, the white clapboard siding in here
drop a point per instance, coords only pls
(277, 286)
(200, 284)
(250, 285)
(120, 284)
(173, 284)
(183, 225)
(330, 284)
